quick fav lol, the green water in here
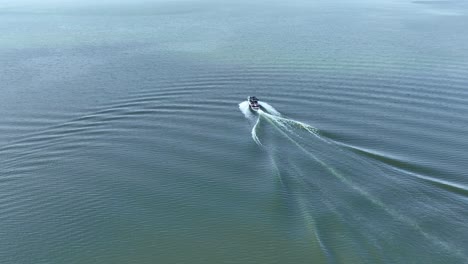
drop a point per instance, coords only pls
(125, 136)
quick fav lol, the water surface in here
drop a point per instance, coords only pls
(125, 137)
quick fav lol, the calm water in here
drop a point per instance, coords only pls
(124, 137)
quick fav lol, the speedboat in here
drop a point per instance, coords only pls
(253, 103)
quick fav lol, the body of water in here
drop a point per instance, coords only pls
(125, 136)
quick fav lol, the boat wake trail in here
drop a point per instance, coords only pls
(272, 114)
(354, 208)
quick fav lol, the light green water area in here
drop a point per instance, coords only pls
(125, 136)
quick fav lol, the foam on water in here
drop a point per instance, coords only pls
(290, 129)
(245, 109)
(272, 114)
(270, 109)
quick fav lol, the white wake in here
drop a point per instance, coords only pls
(271, 114)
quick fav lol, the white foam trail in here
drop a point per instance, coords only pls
(245, 109)
(270, 109)
(278, 122)
(394, 213)
(273, 114)
(254, 133)
(289, 124)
